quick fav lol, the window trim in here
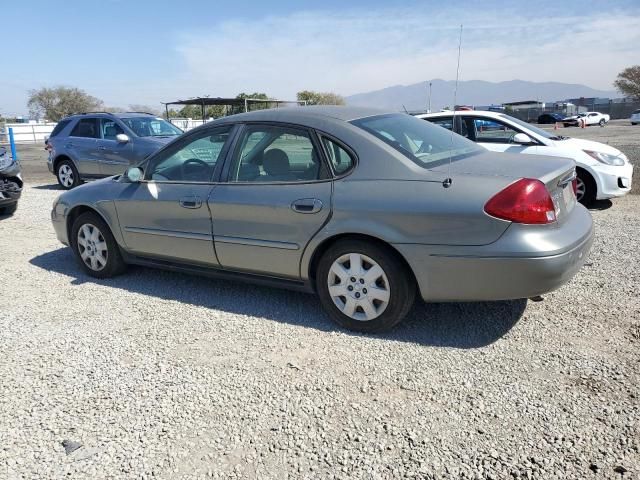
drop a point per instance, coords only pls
(226, 171)
(184, 139)
(96, 125)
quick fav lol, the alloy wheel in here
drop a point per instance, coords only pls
(65, 174)
(358, 287)
(581, 188)
(92, 247)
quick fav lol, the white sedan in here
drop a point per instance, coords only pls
(589, 118)
(603, 171)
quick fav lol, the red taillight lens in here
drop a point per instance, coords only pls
(574, 184)
(525, 201)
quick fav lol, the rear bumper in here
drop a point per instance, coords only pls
(483, 274)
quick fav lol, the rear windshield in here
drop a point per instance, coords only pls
(637, 111)
(426, 144)
(59, 127)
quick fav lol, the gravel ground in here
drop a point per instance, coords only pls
(156, 374)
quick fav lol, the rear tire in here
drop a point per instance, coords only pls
(364, 286)
(67, 175)
(587, 188)
(9, 210)
(95, 248)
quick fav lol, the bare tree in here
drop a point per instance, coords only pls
(58, 102)
(628, 82)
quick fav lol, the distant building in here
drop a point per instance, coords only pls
(523, 105)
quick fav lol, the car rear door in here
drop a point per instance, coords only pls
(82, 146)
(114, 155)
(276, 198)
(166, 215)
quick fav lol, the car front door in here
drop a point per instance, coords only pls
(166, 215)
(82, 146)
(276, 198)
(114, 155)
(494, 135)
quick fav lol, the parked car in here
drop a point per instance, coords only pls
(95, 145)
(589, 118)
(550, 118)
(635, 117)
(603, 171)
(10, 183)
(362, 207)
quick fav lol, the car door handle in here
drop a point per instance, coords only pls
(102, 148)
(307, 205)
(191, 202)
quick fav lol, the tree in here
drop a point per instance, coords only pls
(57, 102)
(628, 82)
(253, 105)
(320, 98)
(144, 108)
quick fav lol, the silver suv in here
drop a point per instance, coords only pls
(100, 144)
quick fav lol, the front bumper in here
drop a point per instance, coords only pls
(613, 181)
(503, 270)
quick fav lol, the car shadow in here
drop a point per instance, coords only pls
(601, 205)
(457, 325)
(53, 186)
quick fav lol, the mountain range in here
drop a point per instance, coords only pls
(471, 92)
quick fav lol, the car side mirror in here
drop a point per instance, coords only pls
(122, 138)
(522, 139)
(134, 174)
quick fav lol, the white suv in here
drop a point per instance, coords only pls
(603, 171)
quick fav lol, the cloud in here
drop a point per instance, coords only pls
(356, 51)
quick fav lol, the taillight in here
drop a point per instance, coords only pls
(574, 184)
(525, 201)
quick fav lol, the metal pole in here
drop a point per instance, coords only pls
(12, 142)
(429, 109)
(246, 105)
(166, 107)
(203, 112)
(33, 132)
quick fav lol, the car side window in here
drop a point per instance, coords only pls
(193, 161)
(109, 129)
(59, 127)
(86, 127)
(268, 153)
(493, 131)
(445, 122)
(341, 160)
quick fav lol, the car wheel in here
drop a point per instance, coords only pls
(67, 175)
(95, 247)
(633, 123)
(586, 188)
(364, 286)
(9, 210)
(601, 122)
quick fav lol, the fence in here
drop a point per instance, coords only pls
(616, 110)
(26, 132)
(188, 123)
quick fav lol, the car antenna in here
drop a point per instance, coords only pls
(448, 181)
(405, 109)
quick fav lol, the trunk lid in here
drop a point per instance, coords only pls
(555, 172)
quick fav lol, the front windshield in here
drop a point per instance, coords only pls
(426, 144)
(528, 126)
(151, 127)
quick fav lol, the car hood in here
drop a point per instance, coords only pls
(582, 144)
(510, 165)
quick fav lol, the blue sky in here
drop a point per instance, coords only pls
(144, 52)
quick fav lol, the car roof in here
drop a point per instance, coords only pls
(112, 114)
(473, 113)
(300, 114)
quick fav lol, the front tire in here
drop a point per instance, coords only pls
(587, 188)
(95, 248)
(364, 286)
(602, 122)
(67, 175)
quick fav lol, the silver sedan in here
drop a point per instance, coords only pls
(366, 209)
